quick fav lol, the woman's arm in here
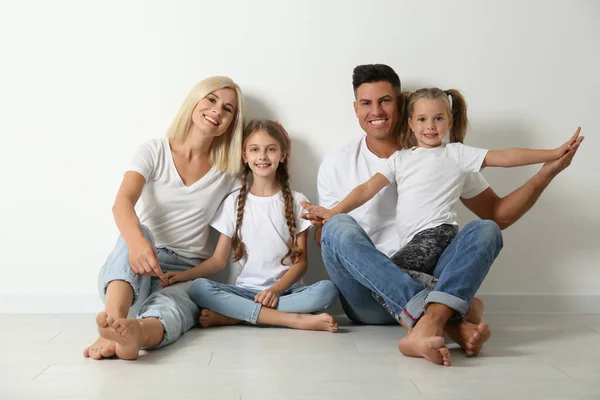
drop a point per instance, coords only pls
(142, 254)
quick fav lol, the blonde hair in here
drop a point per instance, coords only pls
(226, 150)
(457, 109)
(277, 132)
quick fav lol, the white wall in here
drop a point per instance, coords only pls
(82, 83)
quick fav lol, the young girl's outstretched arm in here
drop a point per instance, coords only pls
(518, 157)
(211, 266)
(269, 297)
(357, 197)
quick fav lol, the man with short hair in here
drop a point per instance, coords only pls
(356, 247)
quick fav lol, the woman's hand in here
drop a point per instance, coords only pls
(268, 297)
(143, 258)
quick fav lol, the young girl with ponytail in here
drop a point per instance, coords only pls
(430, 173)
(261, 224)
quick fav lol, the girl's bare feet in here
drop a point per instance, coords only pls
(210, 318)
(319, 322)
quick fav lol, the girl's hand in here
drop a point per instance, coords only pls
(316, 213)
(268, 297)
(143, 258)
(562, 150)
(170, 278)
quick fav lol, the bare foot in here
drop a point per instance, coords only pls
(101, 348)
(425, 340)
(211, 318)
(319, 322)
(127, 335)
(475, 314)
(470, 337)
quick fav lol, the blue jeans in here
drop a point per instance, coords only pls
(358, 269)
(172, 305)
(237, 302)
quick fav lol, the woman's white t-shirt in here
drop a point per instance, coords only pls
(429, 182)
(265, 234)
(177, 215)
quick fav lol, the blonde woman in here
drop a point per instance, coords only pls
(180, 180)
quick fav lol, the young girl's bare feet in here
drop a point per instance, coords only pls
(210, 318)
(425, 340)
(319, 322)
(127, 335)
(470, 337)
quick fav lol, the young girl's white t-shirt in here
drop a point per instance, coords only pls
(177, 215)
(265, 234)
(344, 169)
(429, 182)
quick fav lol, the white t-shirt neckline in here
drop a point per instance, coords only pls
(176, 171)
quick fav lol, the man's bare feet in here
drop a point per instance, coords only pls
(425, 340)
(319, 322)
(125, 333)
(210, 318)
(101, 348)
(469, 336)
(475, 314)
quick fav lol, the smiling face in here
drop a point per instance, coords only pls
(214, 114)
(263, 154)
(376, 108)
(430, 122)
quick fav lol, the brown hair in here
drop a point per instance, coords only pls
(458, 112)
(277, 132)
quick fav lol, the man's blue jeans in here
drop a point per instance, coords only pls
(357, 268)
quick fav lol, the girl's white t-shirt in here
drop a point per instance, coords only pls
(344, 169)
(429, 182)
(265, 234)
(177, 215)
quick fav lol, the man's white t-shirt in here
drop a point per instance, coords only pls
(429, 182)
(177, 215)
(265, 234)
(344, 169)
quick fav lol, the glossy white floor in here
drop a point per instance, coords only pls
(528, 356)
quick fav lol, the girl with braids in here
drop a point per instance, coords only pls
(262, 224)
(430, 172)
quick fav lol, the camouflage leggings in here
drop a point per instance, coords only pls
(420, 256)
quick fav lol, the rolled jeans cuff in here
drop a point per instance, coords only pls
(455, 303)
(414, 308)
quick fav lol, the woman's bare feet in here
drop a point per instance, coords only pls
(319, 322)
(101, 348)
(210, 318)
(469, 336)
(425, 340)
(125, 333)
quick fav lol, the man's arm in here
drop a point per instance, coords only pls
(507, 210)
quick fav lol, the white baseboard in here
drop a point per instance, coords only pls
(542, 303)
(50, 303)
(494, 303)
